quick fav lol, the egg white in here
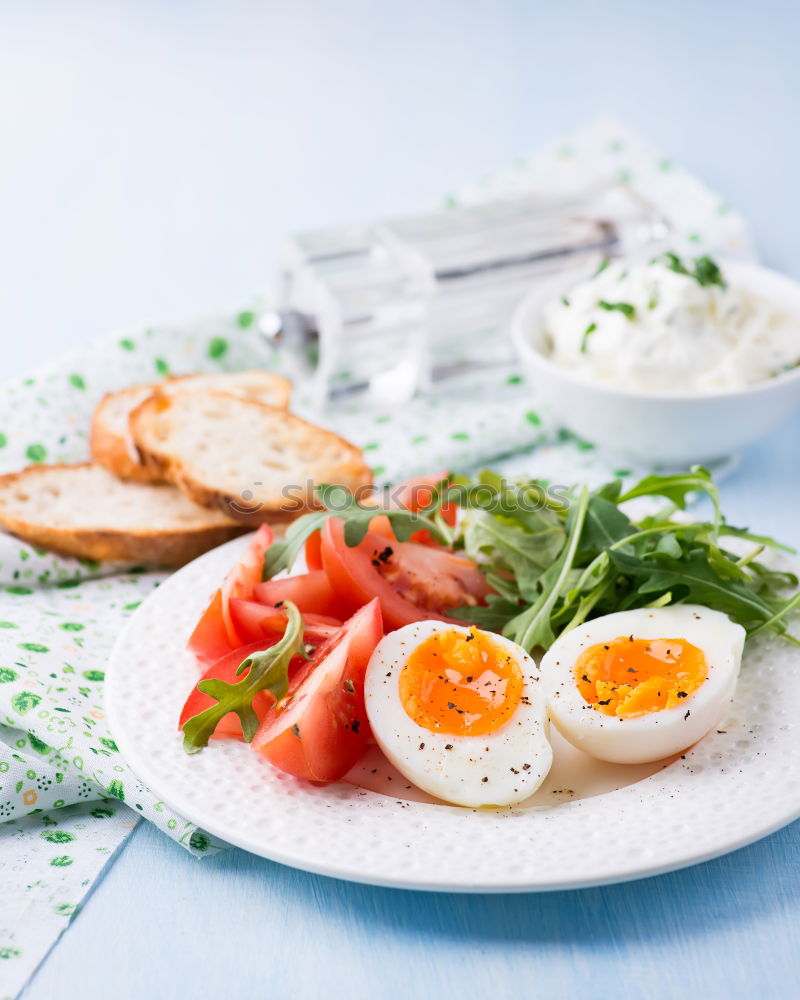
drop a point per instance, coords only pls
(655, 735)
(495, 769)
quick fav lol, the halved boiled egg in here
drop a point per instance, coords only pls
(640, 685)
(458, 712)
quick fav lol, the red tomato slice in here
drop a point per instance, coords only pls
(413, 582)
(319, 730)
(434, 578)
(252, 564)
(241, 581)
(381, 525)
(254, 620)
(313, 556)
(309, 591)
(225, 670)
(415, 494)
(209, 641)
(215, 633)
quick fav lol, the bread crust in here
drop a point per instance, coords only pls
(115, 451)
(149, 546)
(160, 461)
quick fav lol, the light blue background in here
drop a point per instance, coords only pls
(152, 153)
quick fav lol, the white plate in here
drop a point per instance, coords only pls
(590, 824)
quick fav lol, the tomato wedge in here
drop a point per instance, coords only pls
(416, 494)
(309, 591)
(319, 730)
(312, 551)
(242, 580)
(255, 621)
(413, 582)
(209, 641)
(215, 634)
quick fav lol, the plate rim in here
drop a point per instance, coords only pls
(350, 872)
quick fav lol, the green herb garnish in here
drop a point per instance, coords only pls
(263, 671)
(603, 265)
(586, 334)
(707, 272)
(673, 262)
(704, 270)
(625, 308)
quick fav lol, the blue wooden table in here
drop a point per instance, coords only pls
(153, 155)
(165, 925)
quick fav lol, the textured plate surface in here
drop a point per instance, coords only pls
(590, 824)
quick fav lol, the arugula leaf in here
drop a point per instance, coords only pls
(763, 540)
(526, 553)
(725, 565)
(283, 555)
(504, 584)
(494, 616)
(766, 578)
(669, 545)
(676, 488)
(587, 603)
(526, 502)
(605, 523)
(533, 627)
(694, 579)
(264, 671)
(777, 621)
(609, 491)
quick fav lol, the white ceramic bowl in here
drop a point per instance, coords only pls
(660, 428)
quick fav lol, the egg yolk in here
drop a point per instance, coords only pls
(461, 685)
(628, 677)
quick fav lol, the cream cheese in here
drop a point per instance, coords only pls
(653, 328)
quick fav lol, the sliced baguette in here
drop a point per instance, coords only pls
(111, 442)
(249, 460)
(82, 510)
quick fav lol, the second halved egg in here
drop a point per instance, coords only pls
(640, 685)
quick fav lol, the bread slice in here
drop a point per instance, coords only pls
(249, 460)
(82, 510)
(111, 442)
